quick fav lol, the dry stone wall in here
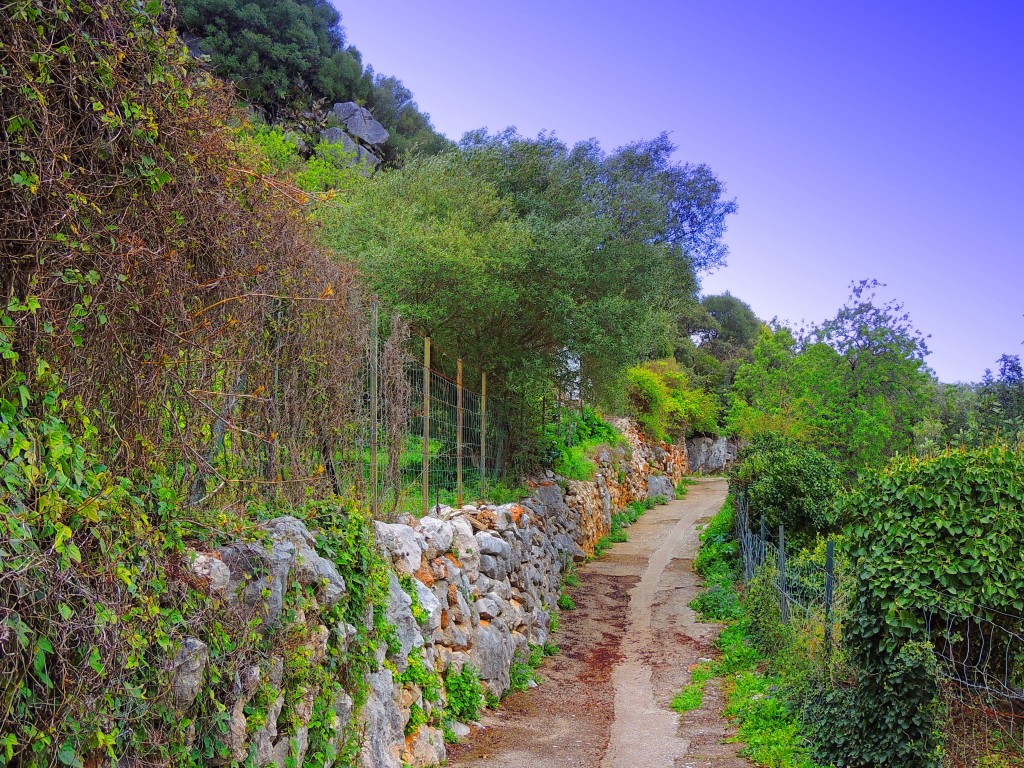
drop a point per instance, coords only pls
(475, 585)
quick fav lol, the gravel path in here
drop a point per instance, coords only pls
(626, 651)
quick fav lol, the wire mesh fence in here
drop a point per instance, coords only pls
(433, 436)
(979, 650)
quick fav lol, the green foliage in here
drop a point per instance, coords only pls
(81, 546)
(521, 674)
(789, 484)
(769, 725)
(280, 53)
(940, 531)
(665, 406)
(566, 603)
(571, 437)
(683, 486)
(464, 694)
(570, 575)
(855, 386)
(689, 698)
(525, 256)
(409, 587)
(771, 734)
(716, 561)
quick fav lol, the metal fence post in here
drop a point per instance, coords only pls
(830, 565)
(374, 408)
(458, 438)
(425, 490)
(483, 432)
(761, 545)
(784, 606)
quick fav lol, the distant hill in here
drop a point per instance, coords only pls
(291, 60)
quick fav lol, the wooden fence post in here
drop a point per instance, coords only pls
(830, 574)
(458, 437)
(425, 490)
(784, 604)
(374, 408)
(483, 432)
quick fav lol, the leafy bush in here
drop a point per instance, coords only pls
(789, 484)
(566, 603)
(945, 531)
(664, 404)
(567, 443)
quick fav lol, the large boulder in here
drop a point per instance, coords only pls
(338, 136)
(660, 485)
(362, 125)
(709, 454)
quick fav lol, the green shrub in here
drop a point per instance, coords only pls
(573, 464)
(664, 404)
(789, 484)
(568, 443)
(566, 603)
(944, 531)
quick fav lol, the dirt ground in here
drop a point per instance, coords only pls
(625, 652)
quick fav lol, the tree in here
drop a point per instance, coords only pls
(856, 386)
(279, 53)
(525, 256)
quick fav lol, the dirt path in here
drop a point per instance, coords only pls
(626, 651)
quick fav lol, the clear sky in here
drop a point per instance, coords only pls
(871, 139)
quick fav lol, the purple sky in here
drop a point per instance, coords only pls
(861, 140)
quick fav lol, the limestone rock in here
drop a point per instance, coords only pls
(492, 656)
(430, 605)
(402, 545)
(362, 126)
(338, 136)
(188, 667)
(659, 485)
(382, 723)
(213, 570)
(425, 748)
(399, 615)
(489, 544)
(310, 567)
(255, 570)
(438, 535)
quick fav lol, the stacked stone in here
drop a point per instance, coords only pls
(486, 578)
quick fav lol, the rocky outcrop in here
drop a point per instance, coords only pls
(474, 585)
(710, 454)
(358, 134)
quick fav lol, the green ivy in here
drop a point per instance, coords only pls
(943, 532)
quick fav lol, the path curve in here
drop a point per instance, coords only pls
(626, 650)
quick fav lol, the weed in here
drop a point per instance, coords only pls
(465, 695)
(690, 698)
(566, 603)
